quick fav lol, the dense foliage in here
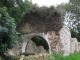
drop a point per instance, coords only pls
(71, 16)
(11, 12)
(8, 34)
(41, 19)
(16, 8)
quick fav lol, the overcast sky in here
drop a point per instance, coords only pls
(49, 2)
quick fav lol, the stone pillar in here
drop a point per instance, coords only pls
(65, 37)
(24, 43)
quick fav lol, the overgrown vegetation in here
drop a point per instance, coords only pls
(75, 56)
(56, 56)
(42, 19)
(71, 16)
(11, 12)
(8, 34)
(16, 8)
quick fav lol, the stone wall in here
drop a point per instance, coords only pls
(79, 46)
(74, 45)
(16, 51)
(65, 36)
(32, 49)
(54, 41)
(60, 42)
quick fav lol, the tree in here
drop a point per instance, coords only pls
(8, 34)
(11, 12)
(72, 16)
(16, 8)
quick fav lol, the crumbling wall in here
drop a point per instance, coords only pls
(41, 19)
(30, 48)
(65, 37)
(16, 51)
(74, 45)
(79, 46)
(60, 42)
(54, 41)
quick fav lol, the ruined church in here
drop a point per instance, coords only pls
(45, 22)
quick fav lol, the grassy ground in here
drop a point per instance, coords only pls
(75, 56)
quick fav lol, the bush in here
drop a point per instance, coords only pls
(8, 34)
(10, 58)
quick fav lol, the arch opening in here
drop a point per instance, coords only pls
(39, 41)
(37, 45)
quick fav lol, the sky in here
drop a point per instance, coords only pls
(49, 2)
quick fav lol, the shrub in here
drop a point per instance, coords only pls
(8, 34)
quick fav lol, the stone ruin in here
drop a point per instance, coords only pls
(32, 49)
(46, 23)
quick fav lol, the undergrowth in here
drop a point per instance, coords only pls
(75, 56)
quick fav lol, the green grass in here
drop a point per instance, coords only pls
(75, 56)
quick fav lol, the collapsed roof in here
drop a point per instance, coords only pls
(41, 19)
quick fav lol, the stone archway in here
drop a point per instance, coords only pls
(31, 47)
(40, 41)
(36, 24)
(36, 45)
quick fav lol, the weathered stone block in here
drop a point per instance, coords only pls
(30, 48)
(40, 49)
(65, 36)
(79, 46)
(74, 45)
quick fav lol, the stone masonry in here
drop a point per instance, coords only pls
(60, 42)
(44, 22)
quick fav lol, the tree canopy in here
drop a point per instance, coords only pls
(8, 34)
(71, 16)
(11, 12)
(16, 8)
